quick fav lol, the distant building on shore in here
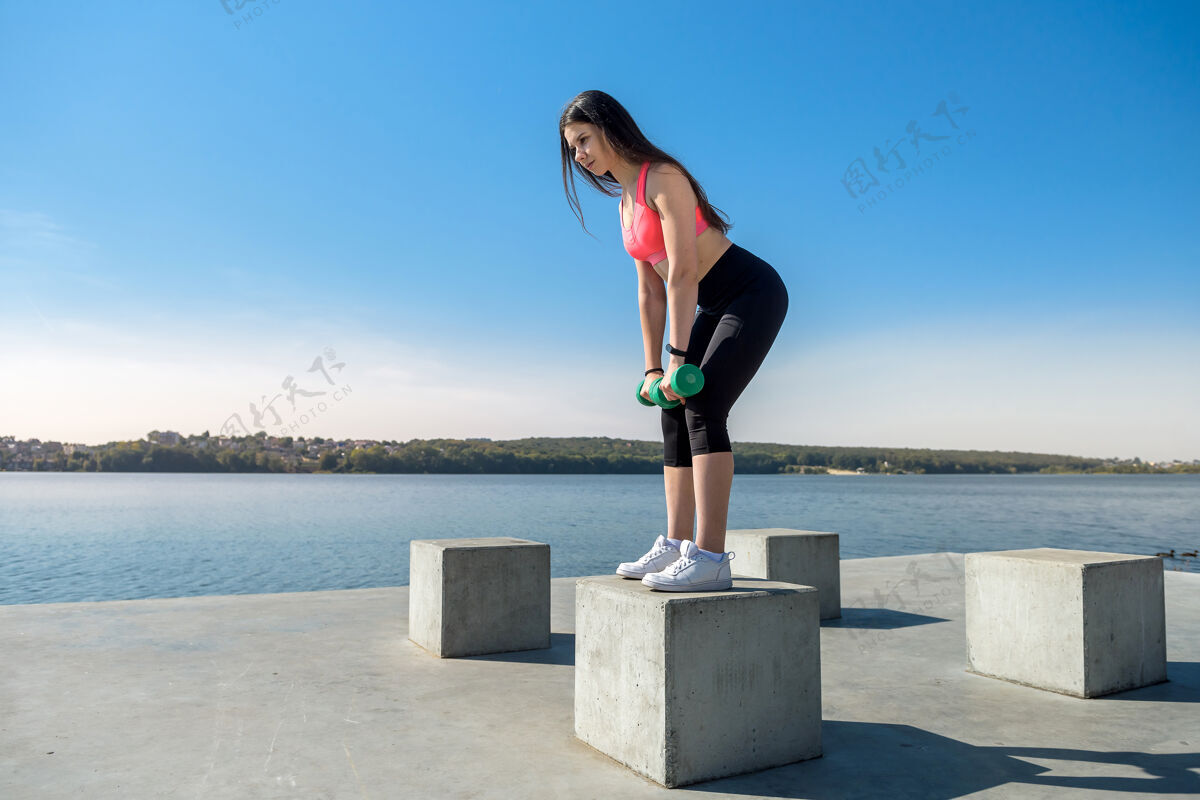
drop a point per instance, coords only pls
(164, 437)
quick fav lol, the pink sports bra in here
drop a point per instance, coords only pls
(644, 241)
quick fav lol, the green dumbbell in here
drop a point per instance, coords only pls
(685, 382)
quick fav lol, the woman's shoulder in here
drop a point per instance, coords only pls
(664, 168)
(667, 178)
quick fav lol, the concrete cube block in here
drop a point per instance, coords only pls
(810, 558)
(469, 597)
(682, 687)
(1077, 622)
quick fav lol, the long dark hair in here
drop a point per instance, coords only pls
(623, 134)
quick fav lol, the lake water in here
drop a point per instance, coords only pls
(114, 536)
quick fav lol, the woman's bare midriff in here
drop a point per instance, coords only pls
(711, 244)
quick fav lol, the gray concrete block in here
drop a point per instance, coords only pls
(1077, 622)
(691, 686)
(810, 558)
(469, 597)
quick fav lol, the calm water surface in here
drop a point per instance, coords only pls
(114, 536)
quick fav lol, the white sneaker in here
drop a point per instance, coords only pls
(661, 556)
(693, 572)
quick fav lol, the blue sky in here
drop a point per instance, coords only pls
(194, 207)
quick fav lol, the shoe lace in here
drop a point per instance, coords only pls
(654, 553)
(680, 564)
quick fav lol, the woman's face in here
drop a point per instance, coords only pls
(589, 146)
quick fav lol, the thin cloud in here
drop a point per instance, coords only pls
(33, 245)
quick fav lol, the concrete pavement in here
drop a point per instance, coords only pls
(322, 695)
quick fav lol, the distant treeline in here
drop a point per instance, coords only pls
(577, 455)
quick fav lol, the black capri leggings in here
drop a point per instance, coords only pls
(742, 302)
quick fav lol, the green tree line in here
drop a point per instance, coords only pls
(564, 455)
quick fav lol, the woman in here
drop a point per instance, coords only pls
(680, 264)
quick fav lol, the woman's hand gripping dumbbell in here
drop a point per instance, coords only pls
(686, 381)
